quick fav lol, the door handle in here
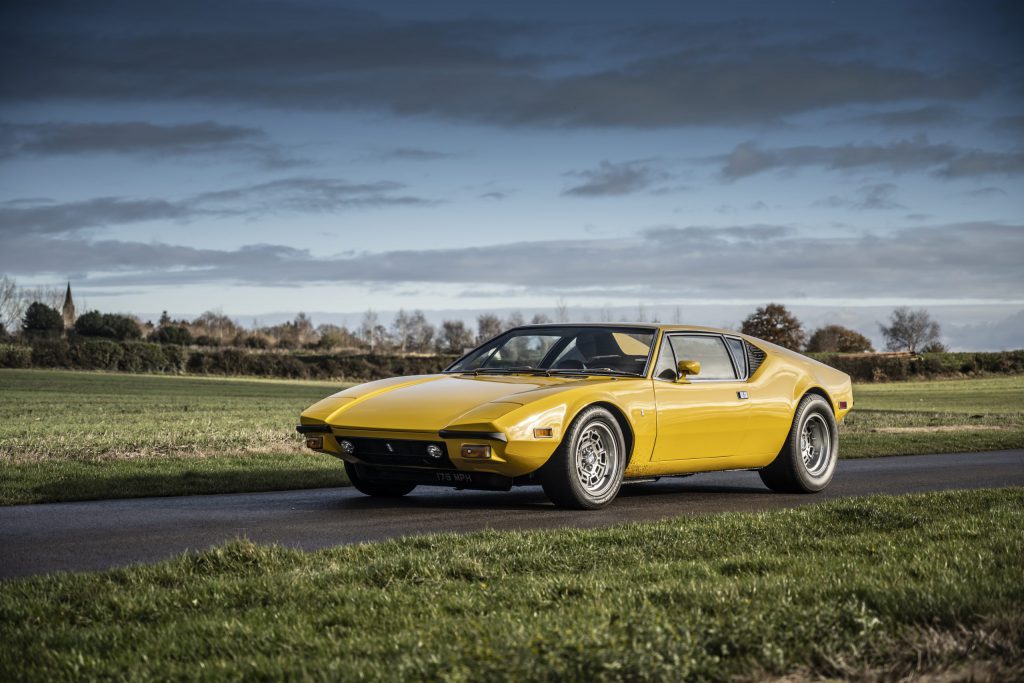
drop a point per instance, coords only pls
(741, 395)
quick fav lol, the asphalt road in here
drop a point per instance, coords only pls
(37, 539)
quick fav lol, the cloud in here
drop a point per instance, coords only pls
(928, 115)
(413, 154)
(319, 56)
(986, 192)
(869, 197)
(943, 160)
(1010, 124)
(610, 179)
(302, 195)
(142, 139)
(954, 261)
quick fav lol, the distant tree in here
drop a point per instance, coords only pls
(216, 325)
(561, 310)
(336, 337)
(401, 328)
(539, 319)
(910, 330)
(107, 325)
(934, 347)
(421, 332)
(41, 320)
(838, 339)
(514, 319)
(12, 303)
(256, 340)
(207, 340)
(172, 334)
(454, 337)
(487, 325)
(51, 296)
(372, 332)
(774, 323)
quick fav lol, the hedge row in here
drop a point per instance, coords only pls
(134, 356)
(892, 367)
(137, 356)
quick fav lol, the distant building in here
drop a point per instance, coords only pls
(69, 309)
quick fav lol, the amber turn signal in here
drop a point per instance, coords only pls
(315, 442)
(543, 433)
(476, 451)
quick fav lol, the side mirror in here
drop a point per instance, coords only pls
(687, 367)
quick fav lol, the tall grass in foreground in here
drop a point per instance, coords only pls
(866, 587)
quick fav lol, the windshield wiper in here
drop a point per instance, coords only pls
(508, 371)
(595, 371)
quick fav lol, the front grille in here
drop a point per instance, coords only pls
(755, 357)
(399, 452)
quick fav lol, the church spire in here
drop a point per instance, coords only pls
(69, 309)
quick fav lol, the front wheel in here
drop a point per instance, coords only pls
(364, 482)
(807, 461)
(585, 473)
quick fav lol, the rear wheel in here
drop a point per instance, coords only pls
(807, 461)
(362, 478)
(585, 473)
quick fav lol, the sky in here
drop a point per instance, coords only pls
(695, 159)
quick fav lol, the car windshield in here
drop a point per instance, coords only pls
(562, 349)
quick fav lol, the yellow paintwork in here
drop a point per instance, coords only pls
(673, 427)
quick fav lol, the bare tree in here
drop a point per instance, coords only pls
(911, 331)
(421, 332)
(51, 296)
(487, 325)
(514, 319)
(12, 304)
(561, 310)
(539, 319)
(454, 337)
(677, 316)
(368, 328)
(402, 329)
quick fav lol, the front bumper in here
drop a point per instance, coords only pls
(509, 459)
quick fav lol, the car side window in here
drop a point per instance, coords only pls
(709, 350)
(665, 368)
(739, 354)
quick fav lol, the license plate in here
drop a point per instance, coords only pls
(453, 477)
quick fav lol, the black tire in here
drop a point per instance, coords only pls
(363, 480)
(585, 473)
(791, 472)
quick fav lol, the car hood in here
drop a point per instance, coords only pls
(433, 402)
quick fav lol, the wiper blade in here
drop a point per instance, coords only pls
(508, 371)
(601, 371)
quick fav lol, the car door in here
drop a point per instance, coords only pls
(705, 415)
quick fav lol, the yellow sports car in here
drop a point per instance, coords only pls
(580, 409)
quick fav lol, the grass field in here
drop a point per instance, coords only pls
(76, 435)
(871, 589)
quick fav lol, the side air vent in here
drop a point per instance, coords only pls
(755, 357)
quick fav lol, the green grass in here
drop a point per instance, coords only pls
(875, 588)
(941, 416)
(78, 436)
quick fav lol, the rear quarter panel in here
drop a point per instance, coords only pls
(777, 387)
